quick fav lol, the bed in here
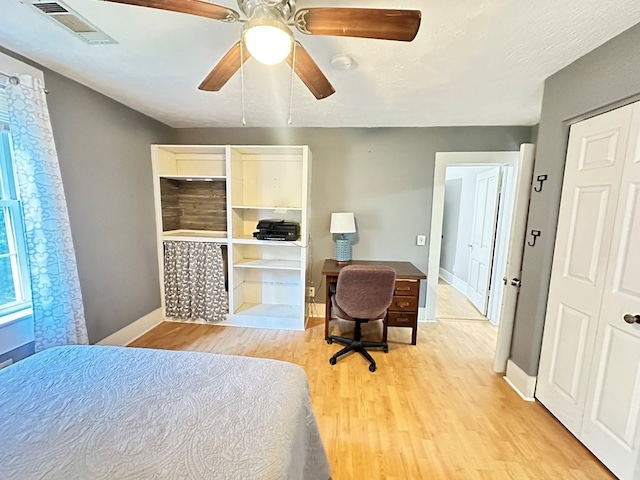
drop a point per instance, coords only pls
(98, 412)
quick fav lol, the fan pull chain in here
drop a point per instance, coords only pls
(293, 68)
(244, 122)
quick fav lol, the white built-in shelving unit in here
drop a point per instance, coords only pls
(266, 279)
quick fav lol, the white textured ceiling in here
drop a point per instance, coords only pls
(473, 62)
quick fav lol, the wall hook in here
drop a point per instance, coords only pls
(535, 234)
(541, 179)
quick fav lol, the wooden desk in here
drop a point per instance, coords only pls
(403, 311)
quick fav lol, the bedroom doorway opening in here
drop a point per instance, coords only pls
(472, 206)
(513, 246)
(478, 201)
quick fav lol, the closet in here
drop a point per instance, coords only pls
(589, 374)
(217, 194)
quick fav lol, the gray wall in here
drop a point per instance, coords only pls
(383, 175)
(605, 78)
(105, 161)
(450, 222)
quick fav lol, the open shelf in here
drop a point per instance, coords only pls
(219, 193)
(268, 310)
(244, 221)
(191, 161)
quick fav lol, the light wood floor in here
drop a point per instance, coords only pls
(431, 411)
(452, 304)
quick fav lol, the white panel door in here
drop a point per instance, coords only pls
(514, 256)
(483, 236)
(595, 159)
(611, 424)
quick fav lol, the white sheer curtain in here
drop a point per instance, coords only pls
(58, 309)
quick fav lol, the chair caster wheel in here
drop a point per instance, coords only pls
(329, 341)
(385, 349)
(372, 368)
(332, 361)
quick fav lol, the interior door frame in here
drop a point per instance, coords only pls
(443, 160)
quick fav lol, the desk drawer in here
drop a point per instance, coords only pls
(404, 304)
(398, 319)
(410, 288)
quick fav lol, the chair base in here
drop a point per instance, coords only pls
(356, 344)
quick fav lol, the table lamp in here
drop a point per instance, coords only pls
(343, 223)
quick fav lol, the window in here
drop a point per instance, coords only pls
(14, 279)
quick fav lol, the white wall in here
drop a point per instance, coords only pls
(458, 222)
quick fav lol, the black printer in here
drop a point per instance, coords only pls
(277, 230)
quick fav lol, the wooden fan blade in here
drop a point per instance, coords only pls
(382, 24)
(225, 69)
(192, 7)
(310, 73)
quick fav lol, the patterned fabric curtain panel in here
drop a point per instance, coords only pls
(58, 310)
(194, 281)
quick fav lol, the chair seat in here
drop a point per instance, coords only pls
(345, 316)
(362, 293)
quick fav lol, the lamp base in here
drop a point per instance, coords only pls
(343, 263)
(343, 251)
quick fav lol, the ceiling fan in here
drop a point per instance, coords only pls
(267, 35)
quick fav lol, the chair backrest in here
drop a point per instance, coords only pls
(365, 291)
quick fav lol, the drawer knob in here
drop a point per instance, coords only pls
(402, 319)
(402, 304)
(403, 289)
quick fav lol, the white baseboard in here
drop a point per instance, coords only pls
(128, 334)
(523, 384)
(459, 285)
(422, 315)
(446, 276)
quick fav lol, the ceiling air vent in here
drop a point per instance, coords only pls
(73, 22)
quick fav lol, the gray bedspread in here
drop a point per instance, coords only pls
(91, 412)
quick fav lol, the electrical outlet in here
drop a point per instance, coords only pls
(311, 291)
(421, 240)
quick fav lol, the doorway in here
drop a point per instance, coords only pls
(522, 162)
(475, 227)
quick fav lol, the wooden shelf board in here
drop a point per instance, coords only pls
(201, 235)
(269, 264)
(254, 207)
(251, 240)
(194, 177)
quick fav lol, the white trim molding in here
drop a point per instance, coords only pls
(523, 384)
(128, 334)
(446, 275)
(16, 330)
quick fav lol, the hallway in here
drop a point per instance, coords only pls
(453, 305)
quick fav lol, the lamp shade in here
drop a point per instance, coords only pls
(342, 222)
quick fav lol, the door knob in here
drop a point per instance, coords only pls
(631, 318)
(516, 282)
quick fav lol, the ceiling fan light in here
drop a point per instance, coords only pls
(269, 44)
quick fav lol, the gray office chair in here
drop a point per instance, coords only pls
(363, 293)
